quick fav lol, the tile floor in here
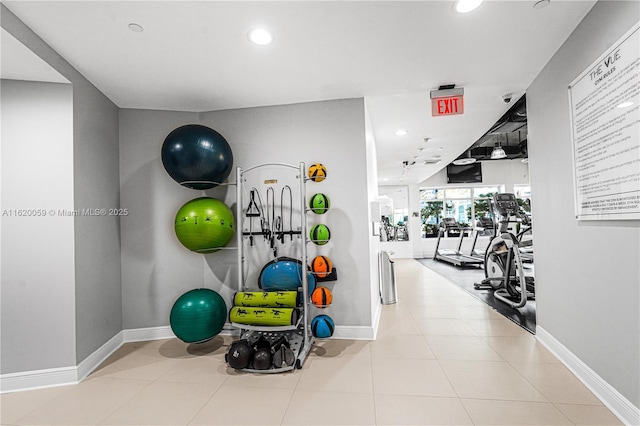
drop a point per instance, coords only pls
(441, 357)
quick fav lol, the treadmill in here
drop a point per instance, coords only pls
(487, 227)
(452, 256)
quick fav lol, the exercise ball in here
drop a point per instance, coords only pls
(321, 297)
(197, 157)
(284, 274)
(321, 266)
(311, 283)
(320, 234)
(319, 203)
(322, 326)
(198, 315)
(204, 225)
(317, 172)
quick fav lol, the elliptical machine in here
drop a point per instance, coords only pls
(503, 263)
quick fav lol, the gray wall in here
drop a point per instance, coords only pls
(587, 275)
(37, 304)
(157, 269)
(98, 307)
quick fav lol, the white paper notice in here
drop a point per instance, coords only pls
(605, 114)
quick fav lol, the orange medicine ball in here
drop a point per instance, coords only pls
(321, 266)
(321, 297)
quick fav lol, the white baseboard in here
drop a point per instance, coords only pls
(36, 379)
(98, 356)
(146, 334)
(376, 321)
(28, 380)
(628, 413)
(354, 333)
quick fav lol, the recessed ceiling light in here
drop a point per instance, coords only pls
(625, 104)
(136, 28)
(401, 132)
(465, 6)
(541, 4)
(260, 36)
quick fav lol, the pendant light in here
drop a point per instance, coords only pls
(498, 153)
(464, 161)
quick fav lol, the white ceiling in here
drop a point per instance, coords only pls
(20, 63)
(195, 56)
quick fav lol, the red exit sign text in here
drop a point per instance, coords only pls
(451, 105)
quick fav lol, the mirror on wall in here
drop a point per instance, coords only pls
(394, 212)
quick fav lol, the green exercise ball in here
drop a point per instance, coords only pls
(198, 315)
(204, 225)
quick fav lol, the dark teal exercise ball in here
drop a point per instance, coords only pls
(198, 315)
(197, 156)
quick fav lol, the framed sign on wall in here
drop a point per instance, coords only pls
(605, 129)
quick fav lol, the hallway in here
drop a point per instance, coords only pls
(440, 357)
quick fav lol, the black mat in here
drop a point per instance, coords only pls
(465, 277)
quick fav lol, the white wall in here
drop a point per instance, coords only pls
(156, 268)
(494, 172)
(373, 219)
(38, 268)
(587, 275)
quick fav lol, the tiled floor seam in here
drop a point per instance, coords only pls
(124, 402)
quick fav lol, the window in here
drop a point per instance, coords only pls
(481, 197)
(523, 196)
(395, 213)
(458, 205)
(464, 204)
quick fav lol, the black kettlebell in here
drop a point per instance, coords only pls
(239, 355)
(262, 358)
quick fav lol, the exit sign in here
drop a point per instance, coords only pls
(449, 105)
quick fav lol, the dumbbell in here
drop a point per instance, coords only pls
(282, 353)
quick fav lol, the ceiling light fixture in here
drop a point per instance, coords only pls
(260, 36)
(464, 161)
(431, 161)
(541, 4)
(136, 28)
(498, 153)
(402, 132)
(465, 6)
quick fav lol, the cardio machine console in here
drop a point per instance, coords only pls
(506, 204)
